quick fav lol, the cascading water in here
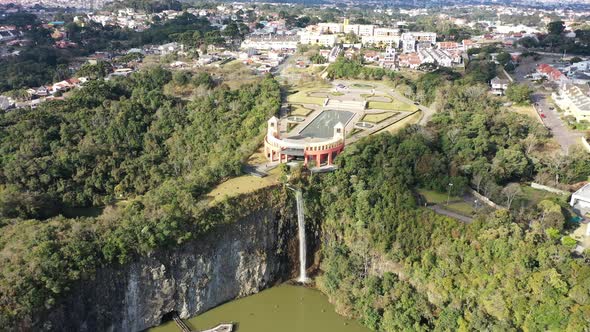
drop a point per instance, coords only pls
(302, 241)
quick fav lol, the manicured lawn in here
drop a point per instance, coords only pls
(395, 127)
(302, 97)
(242, 185)
(378, 98)
(436, 197)
(456, 204)
(301, 110)
(362, 86)
(394, 105)
(378, 117)
(463, 208)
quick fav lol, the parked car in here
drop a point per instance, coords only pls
(416, 103)
(543, 115)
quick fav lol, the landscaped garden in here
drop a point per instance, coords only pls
(394, 105)
(378, 117)
(362, 86)
(309, 94)
(303, 97)
(300, 110)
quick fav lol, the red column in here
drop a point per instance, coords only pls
(318, 158)
(330, 158)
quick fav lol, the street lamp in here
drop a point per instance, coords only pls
(449, 193)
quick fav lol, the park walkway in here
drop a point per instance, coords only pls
(439, 209)
(380, 126)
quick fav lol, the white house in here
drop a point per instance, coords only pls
(580, 201)
(499, 85)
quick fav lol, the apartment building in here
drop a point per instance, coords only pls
(311, 38)
(410, 40)
(573, 101)
(330, 27)
(380, 41)
(359, 29)
(271, 42)
(386, 32)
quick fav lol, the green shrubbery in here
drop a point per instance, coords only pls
(354, 69)
(122, 139)
(398, 267)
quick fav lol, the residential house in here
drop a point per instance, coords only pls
(499, 85)
(409, 60)
(371, 56)
(580, 202)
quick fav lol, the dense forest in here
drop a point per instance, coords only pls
(123, 143)
(399, 267)
(148, 155)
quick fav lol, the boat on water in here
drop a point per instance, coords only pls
(221, 328)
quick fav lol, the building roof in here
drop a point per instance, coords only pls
(583, 192)
(497, 80)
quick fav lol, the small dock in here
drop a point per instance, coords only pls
(181, 324)
(219, 328)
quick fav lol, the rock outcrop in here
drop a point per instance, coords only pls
(234, 260)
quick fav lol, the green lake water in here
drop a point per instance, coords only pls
(284, 308)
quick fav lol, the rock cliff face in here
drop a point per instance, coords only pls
(234, 260)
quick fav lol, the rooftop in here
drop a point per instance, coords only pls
(584, 192)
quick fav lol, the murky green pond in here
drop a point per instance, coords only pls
(284, 308)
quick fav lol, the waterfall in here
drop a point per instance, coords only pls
(302, 242)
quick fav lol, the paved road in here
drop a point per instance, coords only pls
(561, 133)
